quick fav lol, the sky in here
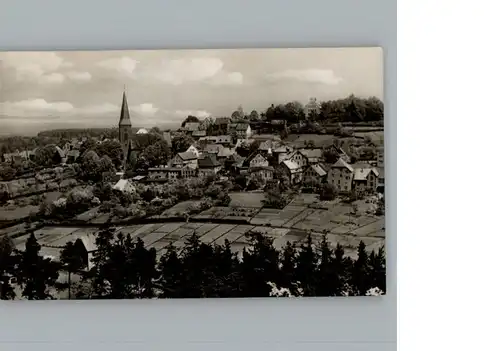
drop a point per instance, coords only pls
(83, 89)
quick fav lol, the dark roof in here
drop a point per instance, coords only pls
(200, 133)
(187, 155)
(241, 126)
(192, 126)
(222, 120)
(124, 114)
(208, 161)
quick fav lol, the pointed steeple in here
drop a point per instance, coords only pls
(124, 114)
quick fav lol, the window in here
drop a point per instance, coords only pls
(346, 177)
(345, 188)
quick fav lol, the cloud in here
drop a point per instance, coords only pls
(79, 76)
(34, 107)
(232, 78)
(145, 109)
(104, 108)
(200, 69)
(124, 65)
(35, 66)
(321, 76)
(180, 114)
(52, 78)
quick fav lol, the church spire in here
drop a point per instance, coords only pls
(124, 114)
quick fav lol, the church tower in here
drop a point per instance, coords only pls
(125, 125)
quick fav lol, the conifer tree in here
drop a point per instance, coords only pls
(360, 277)
(8, 262)
(260, 265)
(171, 274)
(327, 277)
(340, 266)
(100, 271)
(377, 269)
(306, 270)
(144, 264)
(73, 259)
(36, 274)
(287, 266)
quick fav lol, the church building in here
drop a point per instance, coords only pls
(125, 135)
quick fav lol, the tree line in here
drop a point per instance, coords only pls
(123, 268)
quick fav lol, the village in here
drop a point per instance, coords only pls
(218, 178)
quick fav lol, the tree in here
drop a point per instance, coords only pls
(254, 116)
(306, 270)
(36, 274)
(360, 277)
(100, 271)
(73, 258)
(288, 262)
(7, 172)
(274, 198)
(171, 274)
(143, 263)
(328, 192)
(155, 155)
(90, 166)
(181, 143)
(328, 283)
(377, 269)
(260, 265)
(8, 261)
(113, 149)
(45, 156)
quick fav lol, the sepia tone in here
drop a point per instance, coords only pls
(192, 174)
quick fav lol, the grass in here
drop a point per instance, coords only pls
(242, 199)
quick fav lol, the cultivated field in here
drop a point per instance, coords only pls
(293, 223)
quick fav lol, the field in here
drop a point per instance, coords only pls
(293, 223)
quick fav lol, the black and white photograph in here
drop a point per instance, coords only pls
(154, 174)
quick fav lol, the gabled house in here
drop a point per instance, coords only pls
(124, 186)
(341, 175)
(266, 173)
(208, 165)
(184, 159)
(365, 178)
(256, 159)
(297, 157)
(338, 152)
(72, 156)
(220, 125)
(312, 155)
(194, 150)
(241, 130)
(225, 140)
(315, 172)
(292, 170)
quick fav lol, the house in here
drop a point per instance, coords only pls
(312, 108)
(208, 165)
(292, 170)
(266, 173)
(234, 163)
(297, 157)
(184, 159)
(72, 156)
(142, 131)
(256, 160)
(315, 172)
(171, 173)
(124, 186)
(194, 150)
(264, 137)
(220, 125)
(224, 140)
(59, 156)
(341, 175)
(312, 155)
(212, 149)
(224, 153)
(199, 134)
(337, 151)
(365, 178)
(242, 130)
(191, 127)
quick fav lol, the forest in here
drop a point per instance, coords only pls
(122, 268)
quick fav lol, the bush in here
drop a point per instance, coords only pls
(328, 192)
